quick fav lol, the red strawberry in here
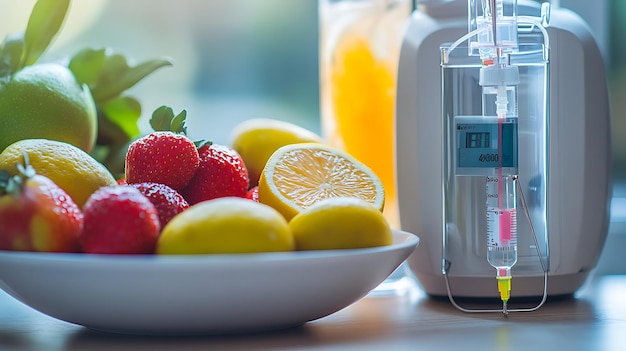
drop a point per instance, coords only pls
(168, 202)
(221, 173)
(253, 194)
(162, 157)
(37, 215)
(119, 220)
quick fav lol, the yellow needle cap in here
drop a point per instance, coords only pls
(504, 287)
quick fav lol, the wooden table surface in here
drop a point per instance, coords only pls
(594, 320)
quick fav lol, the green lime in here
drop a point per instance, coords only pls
(45, 101)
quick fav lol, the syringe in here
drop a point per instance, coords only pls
(502, 231)
(499, 77)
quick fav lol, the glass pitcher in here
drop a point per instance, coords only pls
(359, 53)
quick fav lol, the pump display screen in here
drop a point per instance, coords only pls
(477, 140)
(485, 142)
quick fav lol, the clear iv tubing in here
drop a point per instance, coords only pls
(528, 20)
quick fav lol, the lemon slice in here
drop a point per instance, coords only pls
(299, 175)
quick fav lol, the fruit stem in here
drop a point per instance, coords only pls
(13, 184)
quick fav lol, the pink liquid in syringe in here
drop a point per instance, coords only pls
(508, 226)
(507, 217)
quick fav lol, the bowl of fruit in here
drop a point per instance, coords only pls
(183, 243)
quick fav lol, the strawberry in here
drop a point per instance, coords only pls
(253, 194)
(165, 156)
(36, 214)
(221, 173)
(119, 220)
(162, 157)
(168, 202)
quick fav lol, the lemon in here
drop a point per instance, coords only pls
(226, 225)
(297, 176)
(69, 167)
(46, 101)
(340, 223)
(257, 139)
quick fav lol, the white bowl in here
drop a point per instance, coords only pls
(198, 294)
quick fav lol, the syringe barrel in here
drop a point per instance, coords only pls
(502, 258)
(501, 192)
(501, 221)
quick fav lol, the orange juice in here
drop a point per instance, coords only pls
(358, 63)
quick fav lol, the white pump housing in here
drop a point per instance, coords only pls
(578, 190)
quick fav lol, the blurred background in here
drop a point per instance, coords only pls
(241, 59)
(233, 59)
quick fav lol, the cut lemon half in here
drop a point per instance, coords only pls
(299, 175)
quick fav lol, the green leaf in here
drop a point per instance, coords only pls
(5, 177)
(162, 118)
(87, 65)
(124, 111)
(44, 23)
(115, 65)
(11, 54)
(178, 123)
(200, 143)
(117, 76)
(111, 144)
(25, 169)
(14, 186)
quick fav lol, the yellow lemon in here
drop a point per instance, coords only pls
(69, 167)
(297, 176)
(257, 139)
(46, 101)
(226, 225)
(340, 223)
